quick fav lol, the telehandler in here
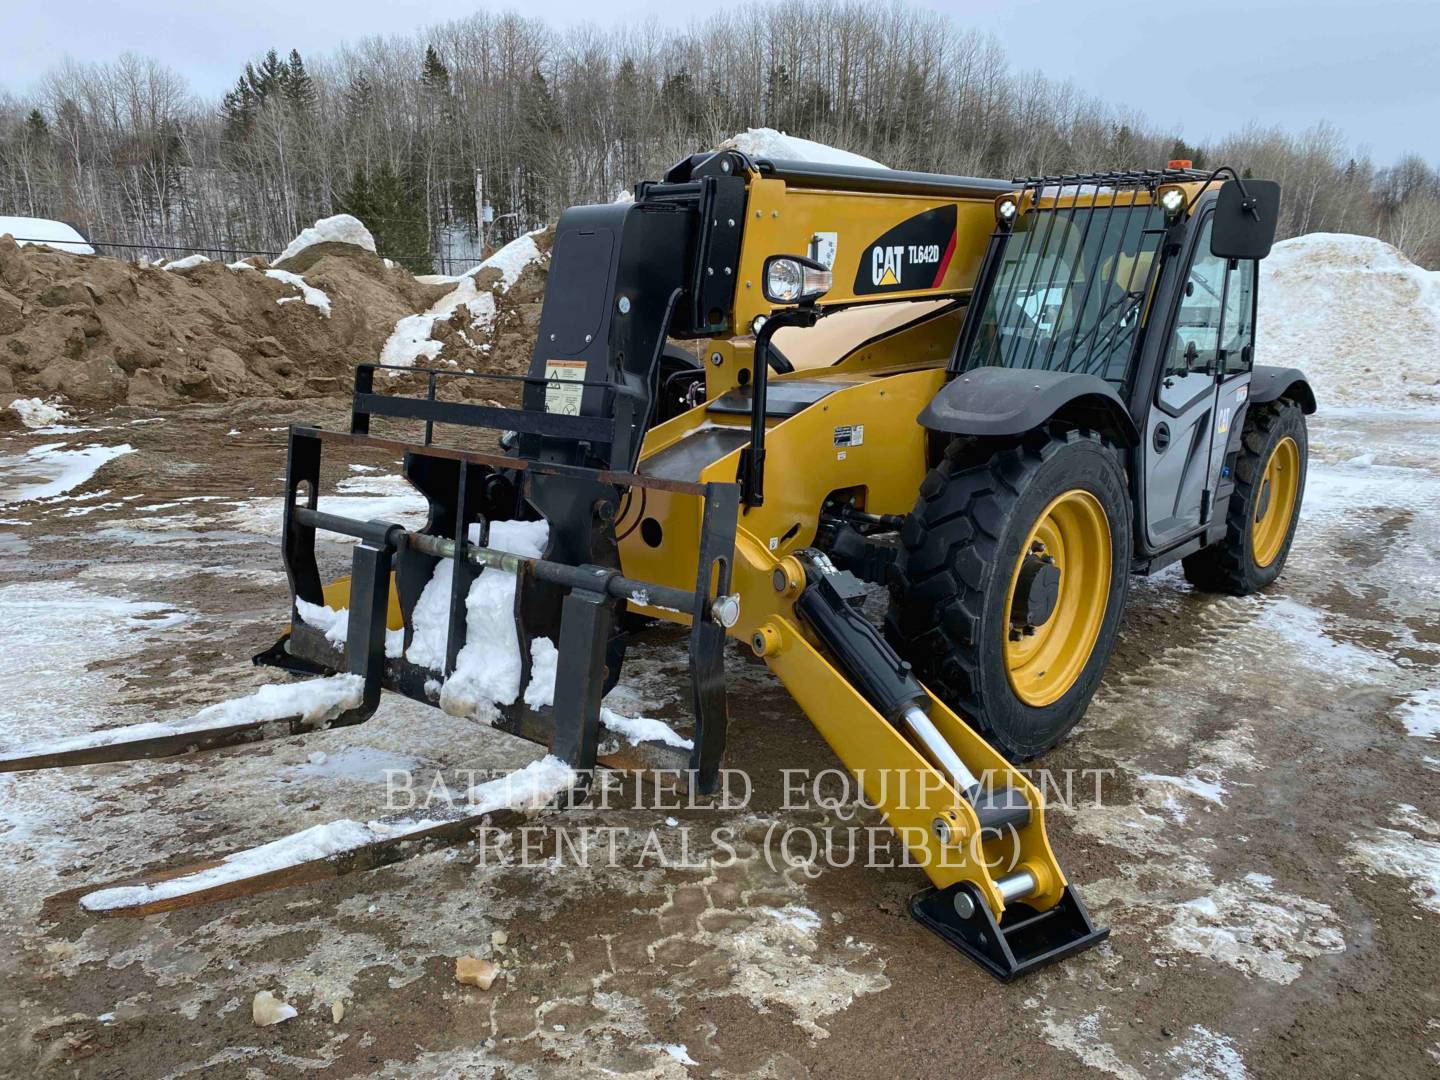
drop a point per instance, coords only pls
(998, 399)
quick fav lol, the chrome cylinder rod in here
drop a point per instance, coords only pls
(941, 752)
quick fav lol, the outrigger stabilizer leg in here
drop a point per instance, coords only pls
(1007, 832)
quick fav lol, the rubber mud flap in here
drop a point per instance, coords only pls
(1028, 939)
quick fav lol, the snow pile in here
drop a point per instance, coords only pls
(413, 338)
(316, 298)
(336, 626)
(58, 469)
(35, 413)
(313, 700)
(340, 229)
(544, 665)
(769, 143)
(411, 343)
(1358, 317)
(53, 234)
(487, 669)
(184, 264)
(527, 789)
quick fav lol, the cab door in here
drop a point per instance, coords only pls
(1196, 395)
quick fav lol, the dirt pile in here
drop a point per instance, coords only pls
(98, 331)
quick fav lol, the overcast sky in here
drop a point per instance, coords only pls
(1371, 68)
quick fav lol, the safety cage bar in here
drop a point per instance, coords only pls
(1125, 188)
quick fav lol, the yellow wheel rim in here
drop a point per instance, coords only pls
(1044, 661)
(1275, 504)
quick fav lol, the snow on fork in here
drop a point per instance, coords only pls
(313, 703)
(338, 847)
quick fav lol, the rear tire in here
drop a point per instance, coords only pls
(1269, 480)
(954, 594)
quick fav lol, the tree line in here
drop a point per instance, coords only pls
(400, 130)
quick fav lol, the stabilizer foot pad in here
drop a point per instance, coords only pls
(1026, 940)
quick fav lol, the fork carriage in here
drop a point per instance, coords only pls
(576, 603)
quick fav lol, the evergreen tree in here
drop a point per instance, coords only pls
(298, 87)
(434, 75)
(392, 207)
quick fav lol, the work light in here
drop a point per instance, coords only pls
(794, 279)
(1172, 199)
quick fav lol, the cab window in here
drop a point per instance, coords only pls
(1238, 332)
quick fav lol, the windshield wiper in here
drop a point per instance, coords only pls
(1133, 297)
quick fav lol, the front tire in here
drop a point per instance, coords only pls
(1264, 508)
(1010, 582)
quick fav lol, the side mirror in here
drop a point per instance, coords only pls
(794, 279)
(1245, 219)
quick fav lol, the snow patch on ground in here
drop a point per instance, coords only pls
(35, 413)
(1246, 925)
(53, 234)
(1082, 1038)
(312, 296)
(1421, 713)
(525, 789)
(1358, 317)
(1401, 854)
(361, 763)
(1346, 489)
(638, 729)
(769, 143)
(364, 498)
(48, 680)
(187, 263)
(340, 229)
(410, 342)
(53, 469)
(1314, 648)
(1207, 1055)
(775, 961)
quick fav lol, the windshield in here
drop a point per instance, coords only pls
(1071, 289)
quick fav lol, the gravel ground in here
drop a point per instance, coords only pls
(1254, 814)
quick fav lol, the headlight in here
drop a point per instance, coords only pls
(794, 279)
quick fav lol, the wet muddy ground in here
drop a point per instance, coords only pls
(1253, 812)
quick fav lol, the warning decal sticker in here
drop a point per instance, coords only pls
(913, 255)
(560, 398)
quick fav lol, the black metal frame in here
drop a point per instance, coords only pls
(575, 602)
